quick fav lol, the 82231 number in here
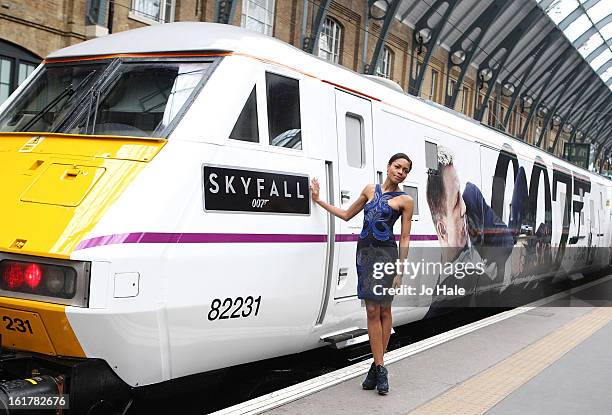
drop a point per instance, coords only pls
(219, 309)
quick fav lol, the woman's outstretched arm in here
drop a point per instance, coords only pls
(344, 214)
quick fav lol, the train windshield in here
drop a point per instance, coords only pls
(118, 97)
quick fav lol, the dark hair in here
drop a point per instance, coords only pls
(400, 156)
(436, 195)
(436, 191)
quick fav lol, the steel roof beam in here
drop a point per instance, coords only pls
(538, 100)
(576, 80)
(540, 51)
(507, 45)
(582, 102)
(563, 69)
(225, 11)
(582, 117)
(415, 83)
(483, 22)
(388, 17)
(553, 110)
(577, 96)
(310, 43)
(597, 120)
(594, 103)
(595, 117)
(542, 77)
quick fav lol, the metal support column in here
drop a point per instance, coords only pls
(552, 111)
(460, 58)
(387, 19)
(225, 11)
(426, 36)
(536, 104)
(310, 42)
(518, 89)
(493, 67)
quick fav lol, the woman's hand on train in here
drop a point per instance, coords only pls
(397, 281)
(314, 189)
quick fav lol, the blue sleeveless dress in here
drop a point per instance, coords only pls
(377, 246)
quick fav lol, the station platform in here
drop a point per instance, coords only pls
(552, 356)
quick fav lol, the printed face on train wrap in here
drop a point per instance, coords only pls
(520, 219)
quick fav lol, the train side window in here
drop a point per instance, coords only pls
(431, 156)
(246, 128)
(414, 193)
(284, 123)
(355, 141)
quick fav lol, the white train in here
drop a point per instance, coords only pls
(156, 215)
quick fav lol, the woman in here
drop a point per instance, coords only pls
(383, 205)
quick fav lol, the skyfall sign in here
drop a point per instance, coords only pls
(237, 190)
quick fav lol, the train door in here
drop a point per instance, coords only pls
(355, 170)
(599, 212)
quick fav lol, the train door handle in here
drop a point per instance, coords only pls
(344, 194)
(342, 275)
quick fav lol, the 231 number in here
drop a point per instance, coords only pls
(17, 324)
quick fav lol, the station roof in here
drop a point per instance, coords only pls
(553, 54)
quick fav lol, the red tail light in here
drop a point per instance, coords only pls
(41, 279)
(33, 275)
(13, 275)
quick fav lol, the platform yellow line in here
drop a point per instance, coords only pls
(483, 391)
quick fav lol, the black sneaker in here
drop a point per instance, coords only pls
(371, 379)
(382, 383)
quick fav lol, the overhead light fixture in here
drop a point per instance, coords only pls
(556, 120)
(542, 111)
(486, 74)
(379, 9)
(579, 135)
(458, 57)
(508, 89)
(527, 101)
(423, 36)
(568, 128)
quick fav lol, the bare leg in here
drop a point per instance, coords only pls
(386, 323)
(375, 331)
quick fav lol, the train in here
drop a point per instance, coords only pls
(157, 219)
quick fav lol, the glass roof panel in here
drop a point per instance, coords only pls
(578, 27)
(607, 75)
(559, 10)
(604, 57)
(590, 45)
(585, 15)
(606, 31)
(599, 10)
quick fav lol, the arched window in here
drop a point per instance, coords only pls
(330, 40)
(258, 15)
(16, 64)
(385, 64)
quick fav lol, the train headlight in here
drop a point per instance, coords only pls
(55, 280)
(65, 282)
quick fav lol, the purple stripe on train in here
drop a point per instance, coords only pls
(351, 237)
(199, 238)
